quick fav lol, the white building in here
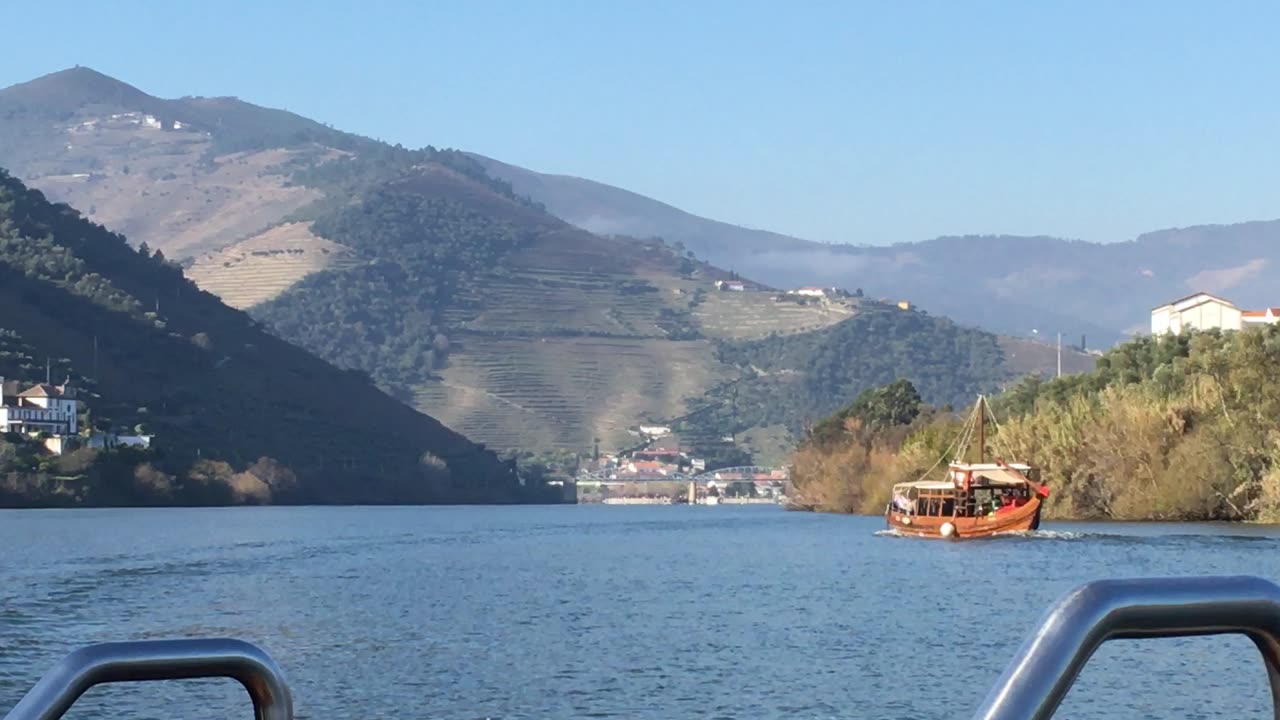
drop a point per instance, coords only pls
(109, 441)
(732, 285)
(1201, 311)
(655, 431)
(40, 408)
(809, 292)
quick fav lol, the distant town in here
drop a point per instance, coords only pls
(660, 472)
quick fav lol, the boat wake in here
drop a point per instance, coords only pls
(1028, 534)
(1054, 535)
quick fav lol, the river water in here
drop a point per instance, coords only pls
(599, 611)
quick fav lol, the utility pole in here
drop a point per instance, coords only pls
(1059, 354)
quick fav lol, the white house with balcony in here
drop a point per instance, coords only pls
(38, 409)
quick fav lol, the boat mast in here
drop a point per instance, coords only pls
(982, 429)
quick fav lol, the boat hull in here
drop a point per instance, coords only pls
(1020, 519)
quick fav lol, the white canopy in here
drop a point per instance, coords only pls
(925, 485)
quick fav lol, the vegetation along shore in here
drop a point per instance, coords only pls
(1175, 427)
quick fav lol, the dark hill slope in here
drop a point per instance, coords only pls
(206, 380)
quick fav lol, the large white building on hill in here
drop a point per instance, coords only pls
(1203, 311)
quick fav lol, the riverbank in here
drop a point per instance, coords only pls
(1175, 428)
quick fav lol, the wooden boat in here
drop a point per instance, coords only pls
(971, 500)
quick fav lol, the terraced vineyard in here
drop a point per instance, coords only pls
(549, 301)
(262, 267)
(749, 315)
(560, 392)
(547, 357)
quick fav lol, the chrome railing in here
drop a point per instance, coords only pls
(58, 690)
(1051, 658)
(1031, 688)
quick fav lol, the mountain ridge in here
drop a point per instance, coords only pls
(1014, 284)
(422, 270)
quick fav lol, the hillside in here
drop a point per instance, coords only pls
(150, 348)
(184, 176)
(1174, 428)
(787, 383)
(1101, 291)
(443, 284)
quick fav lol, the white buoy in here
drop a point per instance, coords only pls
(947, 530)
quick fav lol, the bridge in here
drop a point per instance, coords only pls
(741, 473)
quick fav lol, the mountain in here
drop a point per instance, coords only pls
(607, 210)
(147, 347)
(445, 285)
(1008, 284)
(186, 176)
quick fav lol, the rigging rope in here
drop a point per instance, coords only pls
(966, 432)
(1004, 448)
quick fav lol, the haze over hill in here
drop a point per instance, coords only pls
(1008, 284)
(442, 283)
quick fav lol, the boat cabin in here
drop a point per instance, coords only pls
(972, 490)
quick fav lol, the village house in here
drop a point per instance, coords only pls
(660, 455)
(38, 409)
(1203, 311)
(1270, 316)
(643, 469)
(731, 285)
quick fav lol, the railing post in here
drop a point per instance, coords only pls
(1049, 661)
(92, 665)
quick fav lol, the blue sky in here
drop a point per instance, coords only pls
(853, 122)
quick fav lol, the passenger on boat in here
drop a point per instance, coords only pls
(903, 504)
(1009, 502)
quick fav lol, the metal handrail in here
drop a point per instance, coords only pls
(55, 693)
(1048, 663)
(1031, 688)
